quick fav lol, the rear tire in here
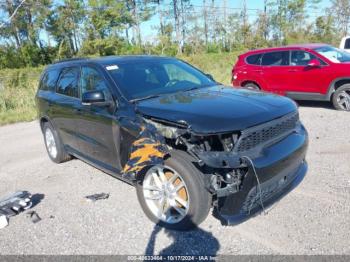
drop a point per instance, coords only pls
(251, 86)
(197, 198)
(53, 144)
(341, 98)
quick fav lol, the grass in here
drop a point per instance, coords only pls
(219, 65)
(17, 91)
(18, 86)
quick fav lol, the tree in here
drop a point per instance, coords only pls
(139, 11)
(341, 9)
(325, 30)
(64, 25)
(24, 23)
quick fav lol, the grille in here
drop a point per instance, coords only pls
(261, 134)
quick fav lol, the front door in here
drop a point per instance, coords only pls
(306, 78)
(97, 129)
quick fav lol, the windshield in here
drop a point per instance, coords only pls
(143, 79)
(334, 54)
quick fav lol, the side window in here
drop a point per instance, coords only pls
(48, 82)
(92, 80)
(68, 82)
(347, 44)
(275, 59)
(301, 58)
(254, 59)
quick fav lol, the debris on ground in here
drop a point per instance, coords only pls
(4, 221)
(14, 204)
(96, 197)
(34, 216)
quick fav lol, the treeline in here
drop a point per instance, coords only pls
(36, 32)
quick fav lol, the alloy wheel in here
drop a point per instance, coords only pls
(166, 194)
(50, 143)
(343, 99)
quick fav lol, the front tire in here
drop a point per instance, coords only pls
(341, 98)
(53, 144)
(173, 195)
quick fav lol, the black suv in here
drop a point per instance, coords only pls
(187, 143)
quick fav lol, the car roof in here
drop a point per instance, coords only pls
(287, 47)
(107, 60)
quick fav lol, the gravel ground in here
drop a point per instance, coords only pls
(312, 219)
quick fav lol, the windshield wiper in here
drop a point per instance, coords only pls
(198, 87)
(143, 98)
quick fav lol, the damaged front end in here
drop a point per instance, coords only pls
(242, 170)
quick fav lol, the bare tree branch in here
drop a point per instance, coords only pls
(13, 14)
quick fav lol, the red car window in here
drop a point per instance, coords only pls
(275, 58)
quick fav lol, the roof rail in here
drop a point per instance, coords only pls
(70, 59)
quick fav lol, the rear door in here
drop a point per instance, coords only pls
(253, 69)
(46, 92)
(64, 105)
(97, 128)
(276, 71)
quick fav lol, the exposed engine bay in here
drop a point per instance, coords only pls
(218, 156)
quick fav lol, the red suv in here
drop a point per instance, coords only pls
(302, 72)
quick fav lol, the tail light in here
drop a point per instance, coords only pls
(233, 76)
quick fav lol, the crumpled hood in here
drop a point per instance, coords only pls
(217, 109)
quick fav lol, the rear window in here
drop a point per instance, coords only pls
(275, 59)
(48, 82)
(253, 59)
(347, 43)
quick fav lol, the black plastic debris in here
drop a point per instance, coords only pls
(34, 216)
(96, 197)
(14, 204)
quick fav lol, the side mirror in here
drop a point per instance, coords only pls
(314, 63)
(94, 98)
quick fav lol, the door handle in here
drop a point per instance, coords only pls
(257, 71)
(292, 70)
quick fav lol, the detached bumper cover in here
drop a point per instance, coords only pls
(280, 168)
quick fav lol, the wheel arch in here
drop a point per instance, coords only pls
(336, 84)
(43, 120)
(250, 81)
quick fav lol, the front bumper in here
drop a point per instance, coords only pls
(280, 168)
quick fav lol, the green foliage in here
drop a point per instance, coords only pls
(17, 91)
(219, 65)
(27, 55)
(106, 17)
(102, 47)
